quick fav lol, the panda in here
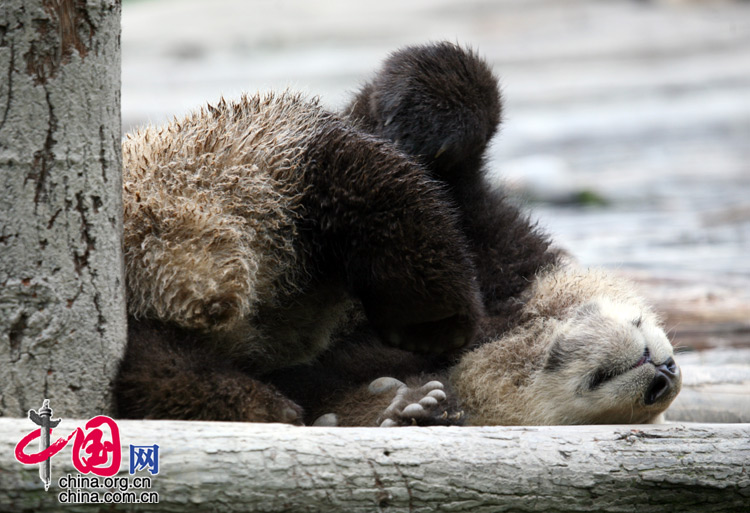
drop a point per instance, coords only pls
(557, 344)
(253, 231)
(260, 288)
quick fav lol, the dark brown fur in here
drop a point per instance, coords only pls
(437, 102)
(377, 217)
(518, 375)
(327, 384)
(171, 373)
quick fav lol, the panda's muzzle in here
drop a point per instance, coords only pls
(666, 379)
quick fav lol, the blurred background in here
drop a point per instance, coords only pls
(626, 129)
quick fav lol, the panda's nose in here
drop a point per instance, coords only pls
(666, 378)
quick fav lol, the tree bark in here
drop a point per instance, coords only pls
(62, 307)
(207, 466)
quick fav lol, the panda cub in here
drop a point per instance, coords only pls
(255, 230)
(558, 344)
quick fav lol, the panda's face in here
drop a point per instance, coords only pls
(610, 363)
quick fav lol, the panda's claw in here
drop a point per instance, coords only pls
(438, 395)
(384, 384)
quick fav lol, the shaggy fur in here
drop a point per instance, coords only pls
(337, 380)
(585, 350)
(437, 102)
(251, 226)
(558, 345)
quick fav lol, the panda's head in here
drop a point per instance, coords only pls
(608, 362)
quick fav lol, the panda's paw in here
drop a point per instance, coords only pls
(260, 402)
(440, 335)
(421, 405)
(211, 314)
(409, 103)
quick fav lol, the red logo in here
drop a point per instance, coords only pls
(96, 448)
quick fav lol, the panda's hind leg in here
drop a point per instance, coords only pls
(438, 102)
(170, 373)
(441, 104)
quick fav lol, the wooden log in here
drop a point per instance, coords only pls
(698, 312)
(715, 387)
(265, 467)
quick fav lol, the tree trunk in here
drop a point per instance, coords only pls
(213, 466)
(62, 306)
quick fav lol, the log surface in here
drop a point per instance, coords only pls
(715, 387)
(256, 467)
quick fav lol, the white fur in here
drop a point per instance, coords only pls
(574, 324)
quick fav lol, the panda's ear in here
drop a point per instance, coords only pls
(558, 355)
(587, 310)
(563, 350)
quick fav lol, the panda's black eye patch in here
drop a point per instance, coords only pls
(600, 377)
(561, 353)
(604, 374)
